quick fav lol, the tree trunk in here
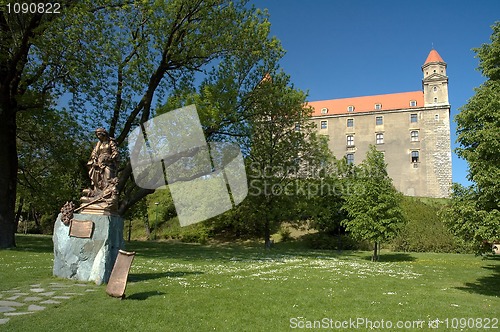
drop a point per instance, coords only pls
(267, 233)
(36, 219)
(147, 228)
(19, 211)
(129, 229)
(375, 252)
(8, 176)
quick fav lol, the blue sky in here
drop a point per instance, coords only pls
(349, 48)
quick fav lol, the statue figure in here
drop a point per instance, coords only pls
(103, 160)
(102, 196)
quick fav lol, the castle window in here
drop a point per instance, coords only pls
(414, 135)
(414, 156)
(435, 89)
(350, 140)
(350, 108)
(378, 106)
(379, 121)
(324, 110)
(413, 103)
(324, 124)
(350, 158)
(436, 117)
(413, 118)
(435, 100)
(379, 138)
(350, 122)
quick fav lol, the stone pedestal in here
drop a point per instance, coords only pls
(87, 257)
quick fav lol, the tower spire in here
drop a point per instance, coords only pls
(435, 81)
(433, 57)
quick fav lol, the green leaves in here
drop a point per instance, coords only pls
(489, 55)
(467, 219)
(474, 212)
(374, 212)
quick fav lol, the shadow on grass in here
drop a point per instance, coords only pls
(392, 257)
(34, 242)
(233, 251)
(143, 295)
(487, 285)
(136, 277)
(215, 252)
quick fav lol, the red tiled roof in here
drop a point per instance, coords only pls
(433, 57)
(391, 101)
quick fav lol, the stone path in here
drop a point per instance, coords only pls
(28, 300)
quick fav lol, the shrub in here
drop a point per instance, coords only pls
(47, 223)
(285, 234)
(197, 233)
(172, 229)
(27, 227)
(326, 241)
(194, 234)
(424, 231)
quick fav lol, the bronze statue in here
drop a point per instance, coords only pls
(102, 197)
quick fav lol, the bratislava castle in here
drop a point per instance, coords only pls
(412, 129)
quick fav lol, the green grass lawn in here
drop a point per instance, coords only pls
(182, 287)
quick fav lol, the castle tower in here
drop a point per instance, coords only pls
(436, 147)
(435, 81)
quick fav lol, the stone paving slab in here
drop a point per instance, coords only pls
(58, 284)
(10, 304)
(13, 290)
(35, 307)
(50, 302)
(32, 298)
(19, 313)
(37, 297)
(38, 290)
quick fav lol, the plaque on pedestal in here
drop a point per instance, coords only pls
(81, 228)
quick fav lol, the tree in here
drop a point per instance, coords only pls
(468, 221)
(478, 132)
(283, 147)
(117, 61)
(326, 209)
(51, 159)
(19, 91)
(374, 207)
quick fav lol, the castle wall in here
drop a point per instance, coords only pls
(430, 176)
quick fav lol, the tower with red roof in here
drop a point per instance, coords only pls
(435, 82)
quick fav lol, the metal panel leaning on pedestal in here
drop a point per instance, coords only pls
(86, 244)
